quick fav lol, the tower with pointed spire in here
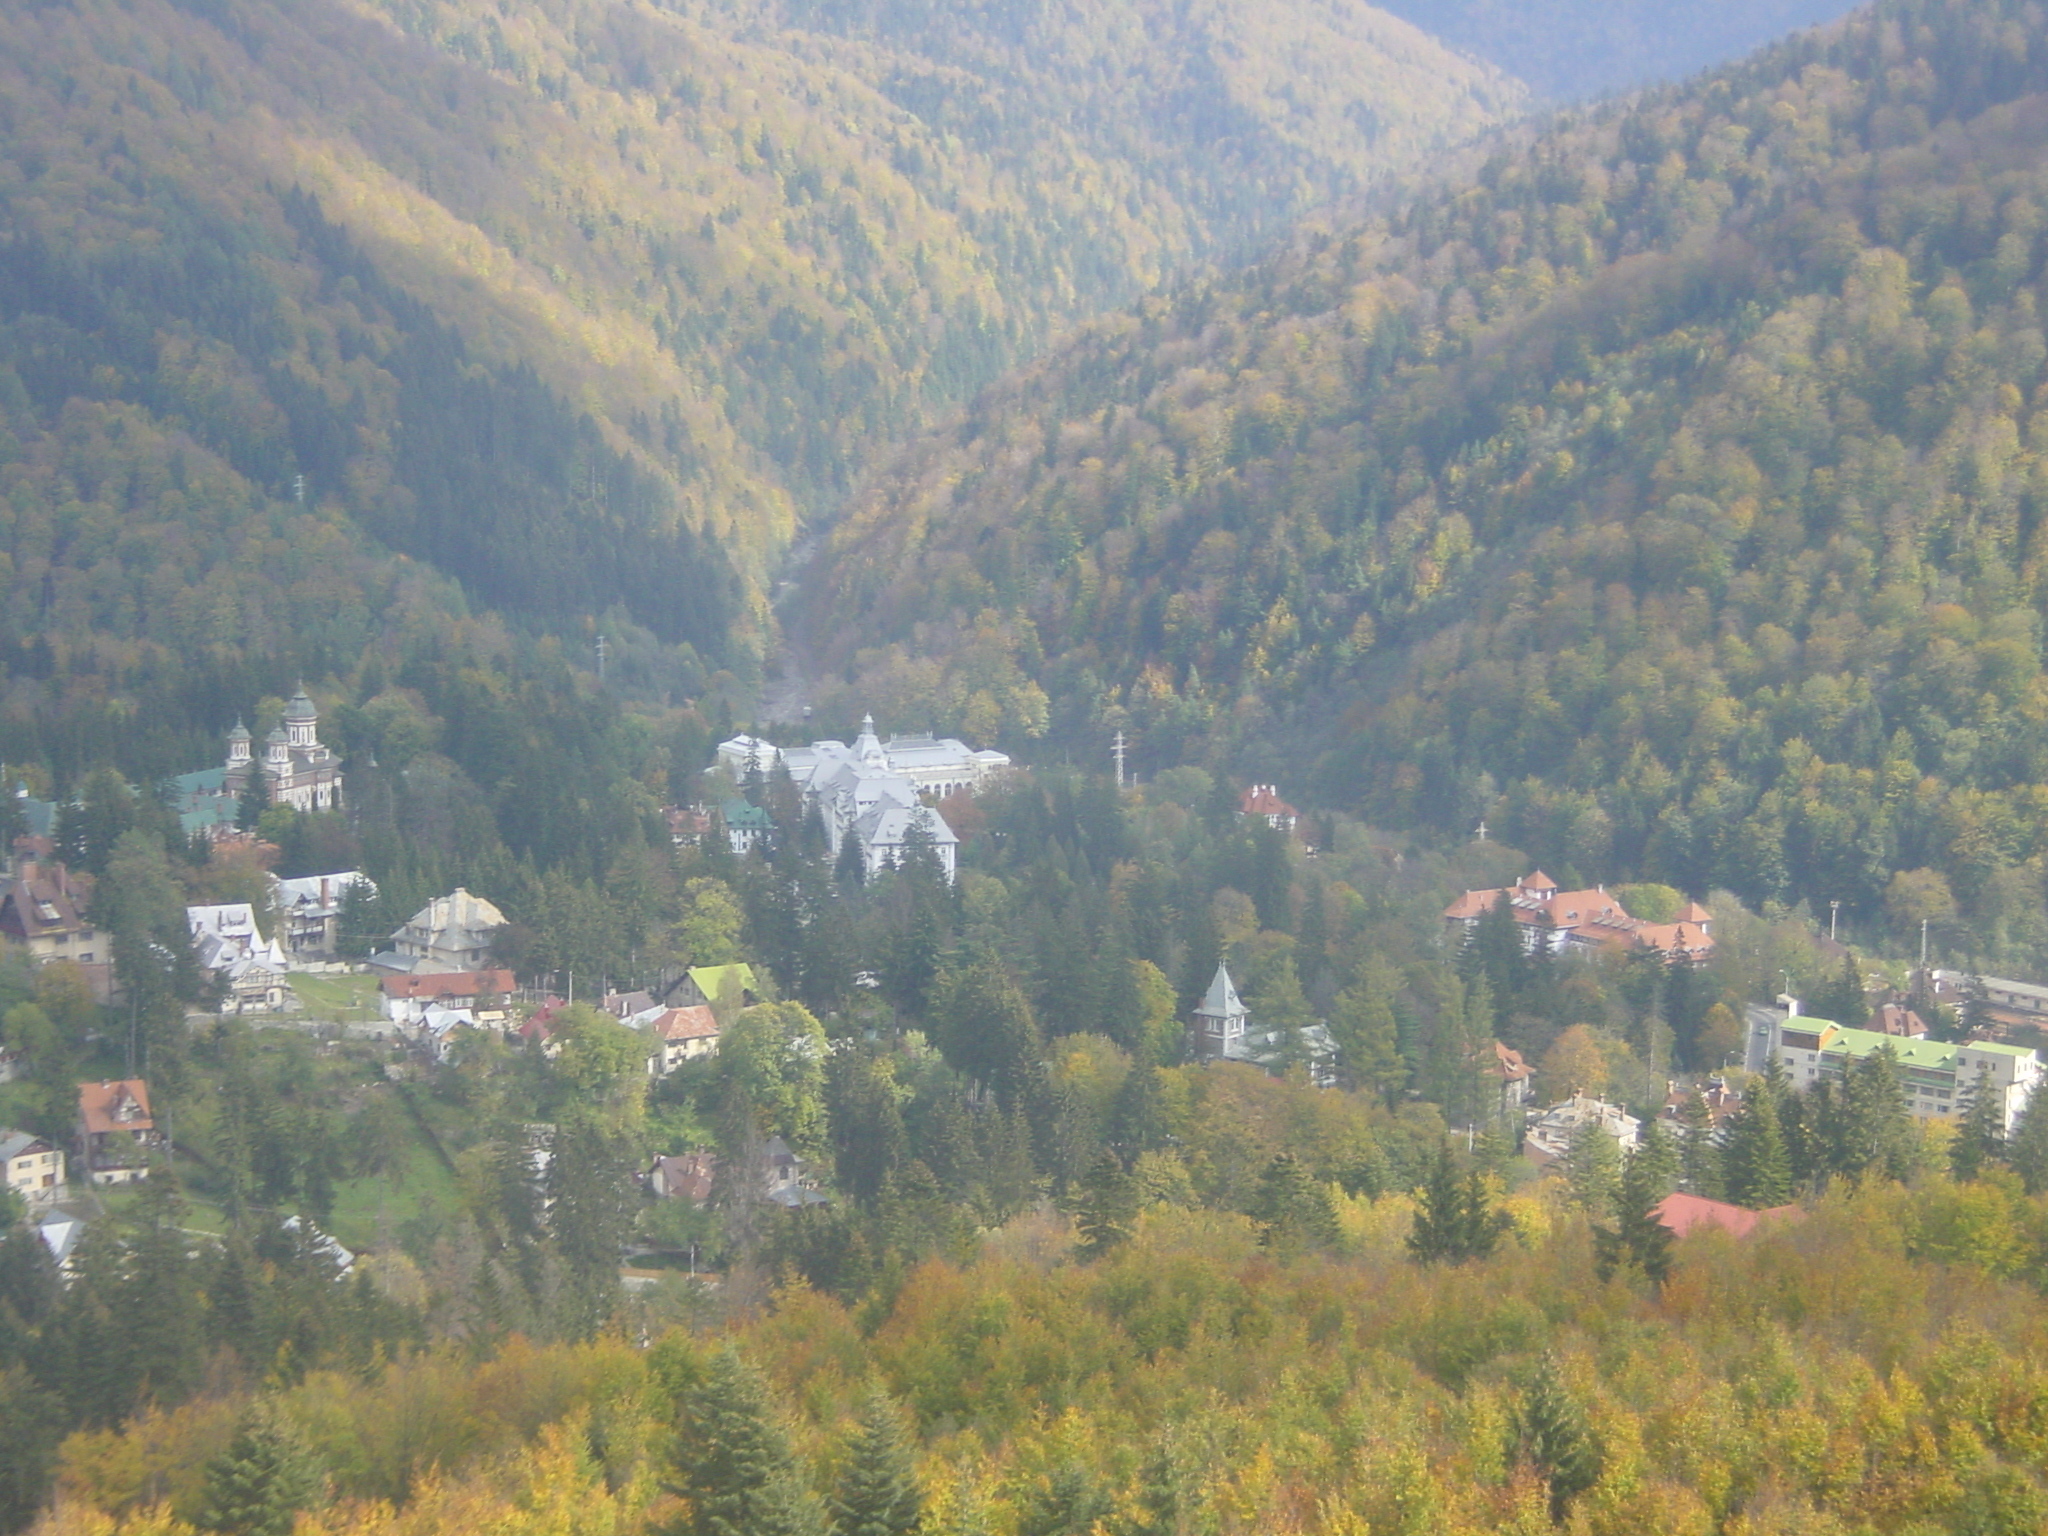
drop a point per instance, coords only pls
(298, 770)
(1220, 1017)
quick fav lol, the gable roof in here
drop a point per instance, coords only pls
(711, 979)
(120, 1105)
(695, 1022)
(21, 1144)
(46, 899)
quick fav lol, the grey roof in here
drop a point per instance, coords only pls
(301, 708)
(15, 1143)
(1221, 1000)
(888, 826)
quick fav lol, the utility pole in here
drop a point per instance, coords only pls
(603, 650)
(1117, 750)
(1923, 946)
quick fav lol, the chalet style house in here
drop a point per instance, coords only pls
(117, 1134)
(1582, 922)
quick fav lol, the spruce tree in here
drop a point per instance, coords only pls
(1293, 1209)
(1637, 1237)
(254, 799)
(1699, 1160)
(1456, 1221)
(262, 1480)
(2027, 1149)
(739, 1471)
(1980, 1136)
(31, 1429)
(1758, 1166)
(1109, 1207)
(877, 1493)
(1557, 1440)
(1592, 1166)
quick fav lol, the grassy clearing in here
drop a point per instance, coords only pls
(345, 999)
(373, 1210)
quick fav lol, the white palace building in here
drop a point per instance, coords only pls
(874, 789)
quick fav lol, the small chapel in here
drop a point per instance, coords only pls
(297, 770)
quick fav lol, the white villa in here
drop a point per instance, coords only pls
(250, 968)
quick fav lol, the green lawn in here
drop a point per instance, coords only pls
(370, 1211)
(346, 999)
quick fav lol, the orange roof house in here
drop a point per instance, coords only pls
(1264, 802)
(117, 1132)
(684, 1034)
(1585, 920)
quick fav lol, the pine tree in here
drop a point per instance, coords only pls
(264, 1478)
(1457, 1221)
(1293, 1208)
(877, 1493)
(1557, 1440)
(1699, 1162)
(742, 1477)
(2027, 1149)
(1109, 1207)
(1980, 1136)
(31, 1428)
(1592, 1166)
(1637, 1237)
(254, 799)
(1758, 1165)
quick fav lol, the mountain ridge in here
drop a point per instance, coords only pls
(1488, 505)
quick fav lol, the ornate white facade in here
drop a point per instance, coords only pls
(298, 770)
(873, 790)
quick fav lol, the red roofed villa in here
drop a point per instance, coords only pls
(1584, 921)
(1264, 802)
(683, 1034)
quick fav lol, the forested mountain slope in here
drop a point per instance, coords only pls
(579, 303)
(1671, 496)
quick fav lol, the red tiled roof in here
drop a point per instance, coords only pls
(449, 984)
(1263, 800)
(1684, 1213)
(1506, 1064)
(693, 1023)
(105, 1107)
(1589, 916)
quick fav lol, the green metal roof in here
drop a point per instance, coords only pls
(1935, 1055)
(711, 979)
